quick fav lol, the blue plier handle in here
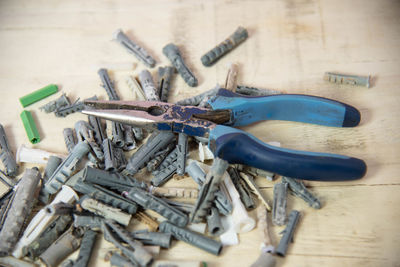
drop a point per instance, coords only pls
(237, 146)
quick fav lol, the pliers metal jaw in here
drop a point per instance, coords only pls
(237, 146)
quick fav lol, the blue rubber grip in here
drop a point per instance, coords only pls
(300, 108)
(237, 146)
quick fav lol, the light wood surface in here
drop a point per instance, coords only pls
(290, 45)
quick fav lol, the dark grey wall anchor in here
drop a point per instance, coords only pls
(208, 189)
(129, 138)
(6, 155)
(156, 142)
(239, 36)
(110, 162)
(19, 210)
(69, 138)
(182, 149)
(98, 128)
(51, 166)
(200, 98)
(87, 221)
(88, 240)
(166, 170)
(118, 260)
(148, 86)
(279, 205)
(64, 170)
(108, 85)
(133, 48)
(54, 105)
(112, 180)
(164, 82)
(148, 201)
(84, 132)
(298, 189)
(153, 238)
(74, 107)
(242, 188)
(62, 247)
(288, 233)
(192, 238)
(159, 157)
(118, 134)
(134, 249)
(222, 201)
(48, 237)
(172, 52)
(106, 196)
(214, 224)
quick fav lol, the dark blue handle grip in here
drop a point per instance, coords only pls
(237, 146)
(301, 108)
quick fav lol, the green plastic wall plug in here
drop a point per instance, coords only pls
(38, 95)
(30, 127)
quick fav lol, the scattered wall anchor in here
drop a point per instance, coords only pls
(108, 85)
(164, 82)
(63, 172)
(136, 88)
(6, 155)
(172, 52)
(174, 192)
(41, 220)
(298, 189)
(182, 149)
(54, 105)
(279, 206)
(239, 36)
(105, 211)
(118, 260)
(88, 241)
(69, 139)
(134, 251)
(166, 170)
(242, 188)
(48, 236)
(197, 99)
(214, 222)
(231, 77)
(74, 107)
(207, 191)
(135, 49)
(222, 200)
(19, 210)
(156, 142)
(339, 78)
(192, 238)
(288, 233)
(62, 247)
(148, 201)
(250, 182)
(149, 88)
(34, 155)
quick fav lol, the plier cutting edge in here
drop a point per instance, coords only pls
(227, 110)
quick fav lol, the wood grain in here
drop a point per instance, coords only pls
(291, 44)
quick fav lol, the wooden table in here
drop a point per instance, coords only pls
(290, 46)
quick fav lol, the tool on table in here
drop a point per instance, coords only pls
(236, 146)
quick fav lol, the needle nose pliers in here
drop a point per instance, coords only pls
(227, 110)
